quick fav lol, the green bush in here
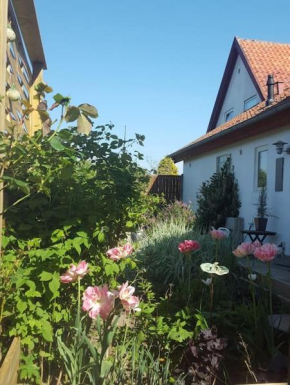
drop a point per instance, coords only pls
(218, 198)
(70, 198)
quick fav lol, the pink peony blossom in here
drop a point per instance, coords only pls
(114, 254)
(127, 249)
(187, 246)
(256, 244)
(128, 300)
(98, 301)
(244, 249)
(118, 253)
(267, 252)
(218, 234)
(72, 274)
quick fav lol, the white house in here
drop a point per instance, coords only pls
(251, 112)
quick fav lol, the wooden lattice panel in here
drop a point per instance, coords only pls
(18, 73)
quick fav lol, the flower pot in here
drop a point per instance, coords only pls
(261, 224)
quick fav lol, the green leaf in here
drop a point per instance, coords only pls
(67, 172)
(111, 268)
(89, 110)
(17, 182)
(58, 98)
(84, 124)
(129, 224)
(54, 285)
(72, 114)
(48, 89)
(56, 144)
(23, 186)
(47, 331)
(101, 237)
(46, 276)
(33, 294)
(76, 243)
(21, 306)
(106, 366)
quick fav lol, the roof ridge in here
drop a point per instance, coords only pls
(261, 41)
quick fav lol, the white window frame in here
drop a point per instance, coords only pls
(229, 112)
(257, 151)
(220, 164)
(249, 100)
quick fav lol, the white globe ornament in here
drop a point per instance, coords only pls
(13, 94)
(11, 36)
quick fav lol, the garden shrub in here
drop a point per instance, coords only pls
(177, 212)
(70, 197)
(218, 198)
(167, 167)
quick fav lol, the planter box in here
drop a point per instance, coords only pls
(235, 225)
(10, 366)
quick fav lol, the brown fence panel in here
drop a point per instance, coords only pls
(10, 366)
(170, 186)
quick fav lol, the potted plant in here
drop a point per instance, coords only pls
(262, 211)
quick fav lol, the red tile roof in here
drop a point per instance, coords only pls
(254, 111)
(266, 58)
(243, 117)
(261, 58)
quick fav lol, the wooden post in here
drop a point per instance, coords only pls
(9, 369)
(37, 77)
(3, 47)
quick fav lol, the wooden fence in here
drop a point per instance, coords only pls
(170, 186)
(10, 366)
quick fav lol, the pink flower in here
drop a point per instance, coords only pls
(98, 301)
(187, 246)
(128, 249)
(244, 250)
(114, 254)
(72, 274)
(266, 253)
(256, 244)
(218, 234)
(128, 300)
(118, 253)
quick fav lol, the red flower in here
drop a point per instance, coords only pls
(187, 246)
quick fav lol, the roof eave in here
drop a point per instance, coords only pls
(27, 19)
(189, 151)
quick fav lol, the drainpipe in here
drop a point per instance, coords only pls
(270, 85)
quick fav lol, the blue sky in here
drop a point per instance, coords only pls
(153, 66)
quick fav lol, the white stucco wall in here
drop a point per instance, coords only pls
(243, 153)
(240, 89)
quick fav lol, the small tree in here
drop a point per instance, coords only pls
(218, 198)
(167, 167)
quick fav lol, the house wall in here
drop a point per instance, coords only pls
(240, 89)
(243, 155)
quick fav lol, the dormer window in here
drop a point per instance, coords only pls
(251, 102)
(229, 115)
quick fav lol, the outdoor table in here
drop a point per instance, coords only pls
(258, 235)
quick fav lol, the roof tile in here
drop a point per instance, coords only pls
(254, 111)
(266, 58)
